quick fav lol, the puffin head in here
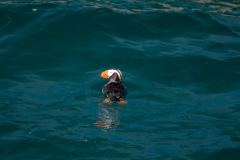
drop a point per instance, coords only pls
(115, 75)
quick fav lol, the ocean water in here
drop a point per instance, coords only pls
(180, 62)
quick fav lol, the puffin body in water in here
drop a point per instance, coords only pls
(114, 89)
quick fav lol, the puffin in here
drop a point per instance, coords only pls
(114, 89)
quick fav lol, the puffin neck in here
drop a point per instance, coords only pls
(115, 78)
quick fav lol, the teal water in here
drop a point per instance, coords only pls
(180, 62)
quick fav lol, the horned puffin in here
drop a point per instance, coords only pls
(114, 89)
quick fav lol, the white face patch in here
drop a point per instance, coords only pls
(111, 71)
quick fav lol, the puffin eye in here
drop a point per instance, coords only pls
(110, 73)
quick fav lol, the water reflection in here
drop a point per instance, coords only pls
(108, 116)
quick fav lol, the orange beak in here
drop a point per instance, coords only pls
(104, 74)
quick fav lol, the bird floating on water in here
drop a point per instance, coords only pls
(114, 89)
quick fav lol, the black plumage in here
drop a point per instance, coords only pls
(114, 90)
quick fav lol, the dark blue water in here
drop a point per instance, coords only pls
(180, 62)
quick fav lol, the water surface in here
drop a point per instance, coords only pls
(180, 62)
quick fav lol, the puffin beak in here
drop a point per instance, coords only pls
(104, 74)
